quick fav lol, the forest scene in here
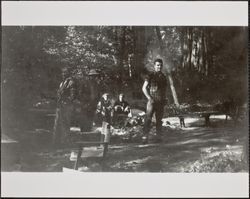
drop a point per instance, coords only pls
(206, 70)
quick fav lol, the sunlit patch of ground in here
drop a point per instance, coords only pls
(195, 148)
(220, 117)
(189, 128)
(228, 159)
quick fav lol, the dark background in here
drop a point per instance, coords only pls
(207, 65)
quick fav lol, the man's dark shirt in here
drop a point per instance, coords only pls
(124, 105)
(104, 108)
(85, 93)
(66, 92)
(157, 85)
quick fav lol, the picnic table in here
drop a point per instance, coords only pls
(95, 144)
(202, 114)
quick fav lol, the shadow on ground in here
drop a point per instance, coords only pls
(181, 149)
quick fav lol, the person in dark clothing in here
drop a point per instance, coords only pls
(66, 95)
(121, 106)
(95, 94)
(90, 94)
(154, 88)
(85, 109)
(105, 110)
(121, 110)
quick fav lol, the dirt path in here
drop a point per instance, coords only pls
(196, 148)
(179, 151)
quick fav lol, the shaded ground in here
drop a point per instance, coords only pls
(196, 148)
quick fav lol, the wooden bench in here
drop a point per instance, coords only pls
(97, 148)
(85, 145)
(204, 114)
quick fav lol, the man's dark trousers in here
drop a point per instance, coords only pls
(157, 108)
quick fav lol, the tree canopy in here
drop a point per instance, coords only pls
(203, 63)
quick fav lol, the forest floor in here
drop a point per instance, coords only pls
(195, 148)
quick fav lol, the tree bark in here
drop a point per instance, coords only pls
(190, 47)
(206, 54)
(139, 50)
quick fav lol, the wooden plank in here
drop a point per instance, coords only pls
(90, 147)
(88, 144)
(7, 140)
(88, 152)
(85, 136)
(79, 153)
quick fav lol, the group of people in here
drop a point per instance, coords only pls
(108, 111)
(102, 108)
(95, 109)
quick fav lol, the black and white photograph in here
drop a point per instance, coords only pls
(124, 99)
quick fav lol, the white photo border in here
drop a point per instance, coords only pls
(85, 13)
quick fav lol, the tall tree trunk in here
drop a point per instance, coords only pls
(203, 71)
(209, 52)
(196, 46)
(190, 47)
(163, 50)
(139, 50)
(201, 53)
(206, 54)
(199, 47)
(121, 56)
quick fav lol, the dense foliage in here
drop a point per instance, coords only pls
(204, 63)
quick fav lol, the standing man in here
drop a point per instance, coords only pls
(95, 94)
(85, 100)
(89, 96)
(66, 96)
(154, 88)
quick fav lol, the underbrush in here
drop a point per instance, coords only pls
(225, 161)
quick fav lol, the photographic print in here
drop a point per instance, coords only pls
(160, 99)
(124, 99)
